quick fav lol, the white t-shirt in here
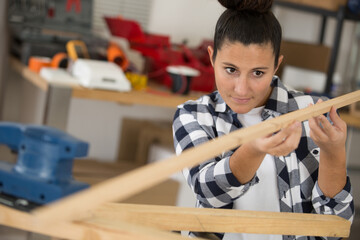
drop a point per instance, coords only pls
(264, 196)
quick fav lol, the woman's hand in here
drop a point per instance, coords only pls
(247, 158)
(282, 143)
(331, 139)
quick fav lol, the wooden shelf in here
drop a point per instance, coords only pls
(152, 96)
(328, 5)
(351, 121)
(329, 8)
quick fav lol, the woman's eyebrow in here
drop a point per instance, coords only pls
(255, 68)
(230, 64)
(261, 68)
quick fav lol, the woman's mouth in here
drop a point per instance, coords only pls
(241, 100)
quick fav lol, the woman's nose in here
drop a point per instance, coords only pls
(241, 85)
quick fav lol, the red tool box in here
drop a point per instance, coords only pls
(161, 53)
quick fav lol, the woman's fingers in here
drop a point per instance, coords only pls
(320, 128)
(328, 135)
(337, 121)
(285, 141)
(284, 134)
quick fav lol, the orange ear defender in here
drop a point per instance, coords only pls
(116, 55)
(60, 60)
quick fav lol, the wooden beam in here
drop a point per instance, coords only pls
(128, 184)
(220, 220)
(131, 231)
(86, 230)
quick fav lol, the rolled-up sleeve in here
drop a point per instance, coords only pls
(341, 204)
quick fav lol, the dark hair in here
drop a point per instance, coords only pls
(248, 22)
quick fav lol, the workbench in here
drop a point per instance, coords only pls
(58, 96)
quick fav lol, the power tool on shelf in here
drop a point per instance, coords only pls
(43, 171)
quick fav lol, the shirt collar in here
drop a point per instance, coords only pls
(220, 105)
(279, 97)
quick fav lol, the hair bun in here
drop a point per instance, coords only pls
(250, 5)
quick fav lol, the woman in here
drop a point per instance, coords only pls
(301, 168)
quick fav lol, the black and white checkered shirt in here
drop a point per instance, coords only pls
(214, 184)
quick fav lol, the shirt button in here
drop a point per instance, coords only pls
(315, 152)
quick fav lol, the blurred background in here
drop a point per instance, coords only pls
(51, 53)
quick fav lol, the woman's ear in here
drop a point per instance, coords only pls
(281, 57)
(211, 52)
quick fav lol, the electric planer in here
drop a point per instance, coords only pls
(43, 171)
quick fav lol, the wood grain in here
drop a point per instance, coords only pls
(229, 220)
(92, 229)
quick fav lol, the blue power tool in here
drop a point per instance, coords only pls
(43, 171)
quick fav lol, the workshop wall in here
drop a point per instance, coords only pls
(100, 122)
(192, 21)
(186, 20)
(138, 10)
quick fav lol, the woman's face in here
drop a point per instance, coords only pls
(243, 74)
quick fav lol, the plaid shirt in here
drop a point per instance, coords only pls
(215, 186)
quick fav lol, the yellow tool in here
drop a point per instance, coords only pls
(77, 49)
(138, 81)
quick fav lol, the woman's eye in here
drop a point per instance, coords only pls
(258, 73)
(230, 70)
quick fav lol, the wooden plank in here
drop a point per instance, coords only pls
(86, 230)
(128, 184)
(130, 231)
(230, 220)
